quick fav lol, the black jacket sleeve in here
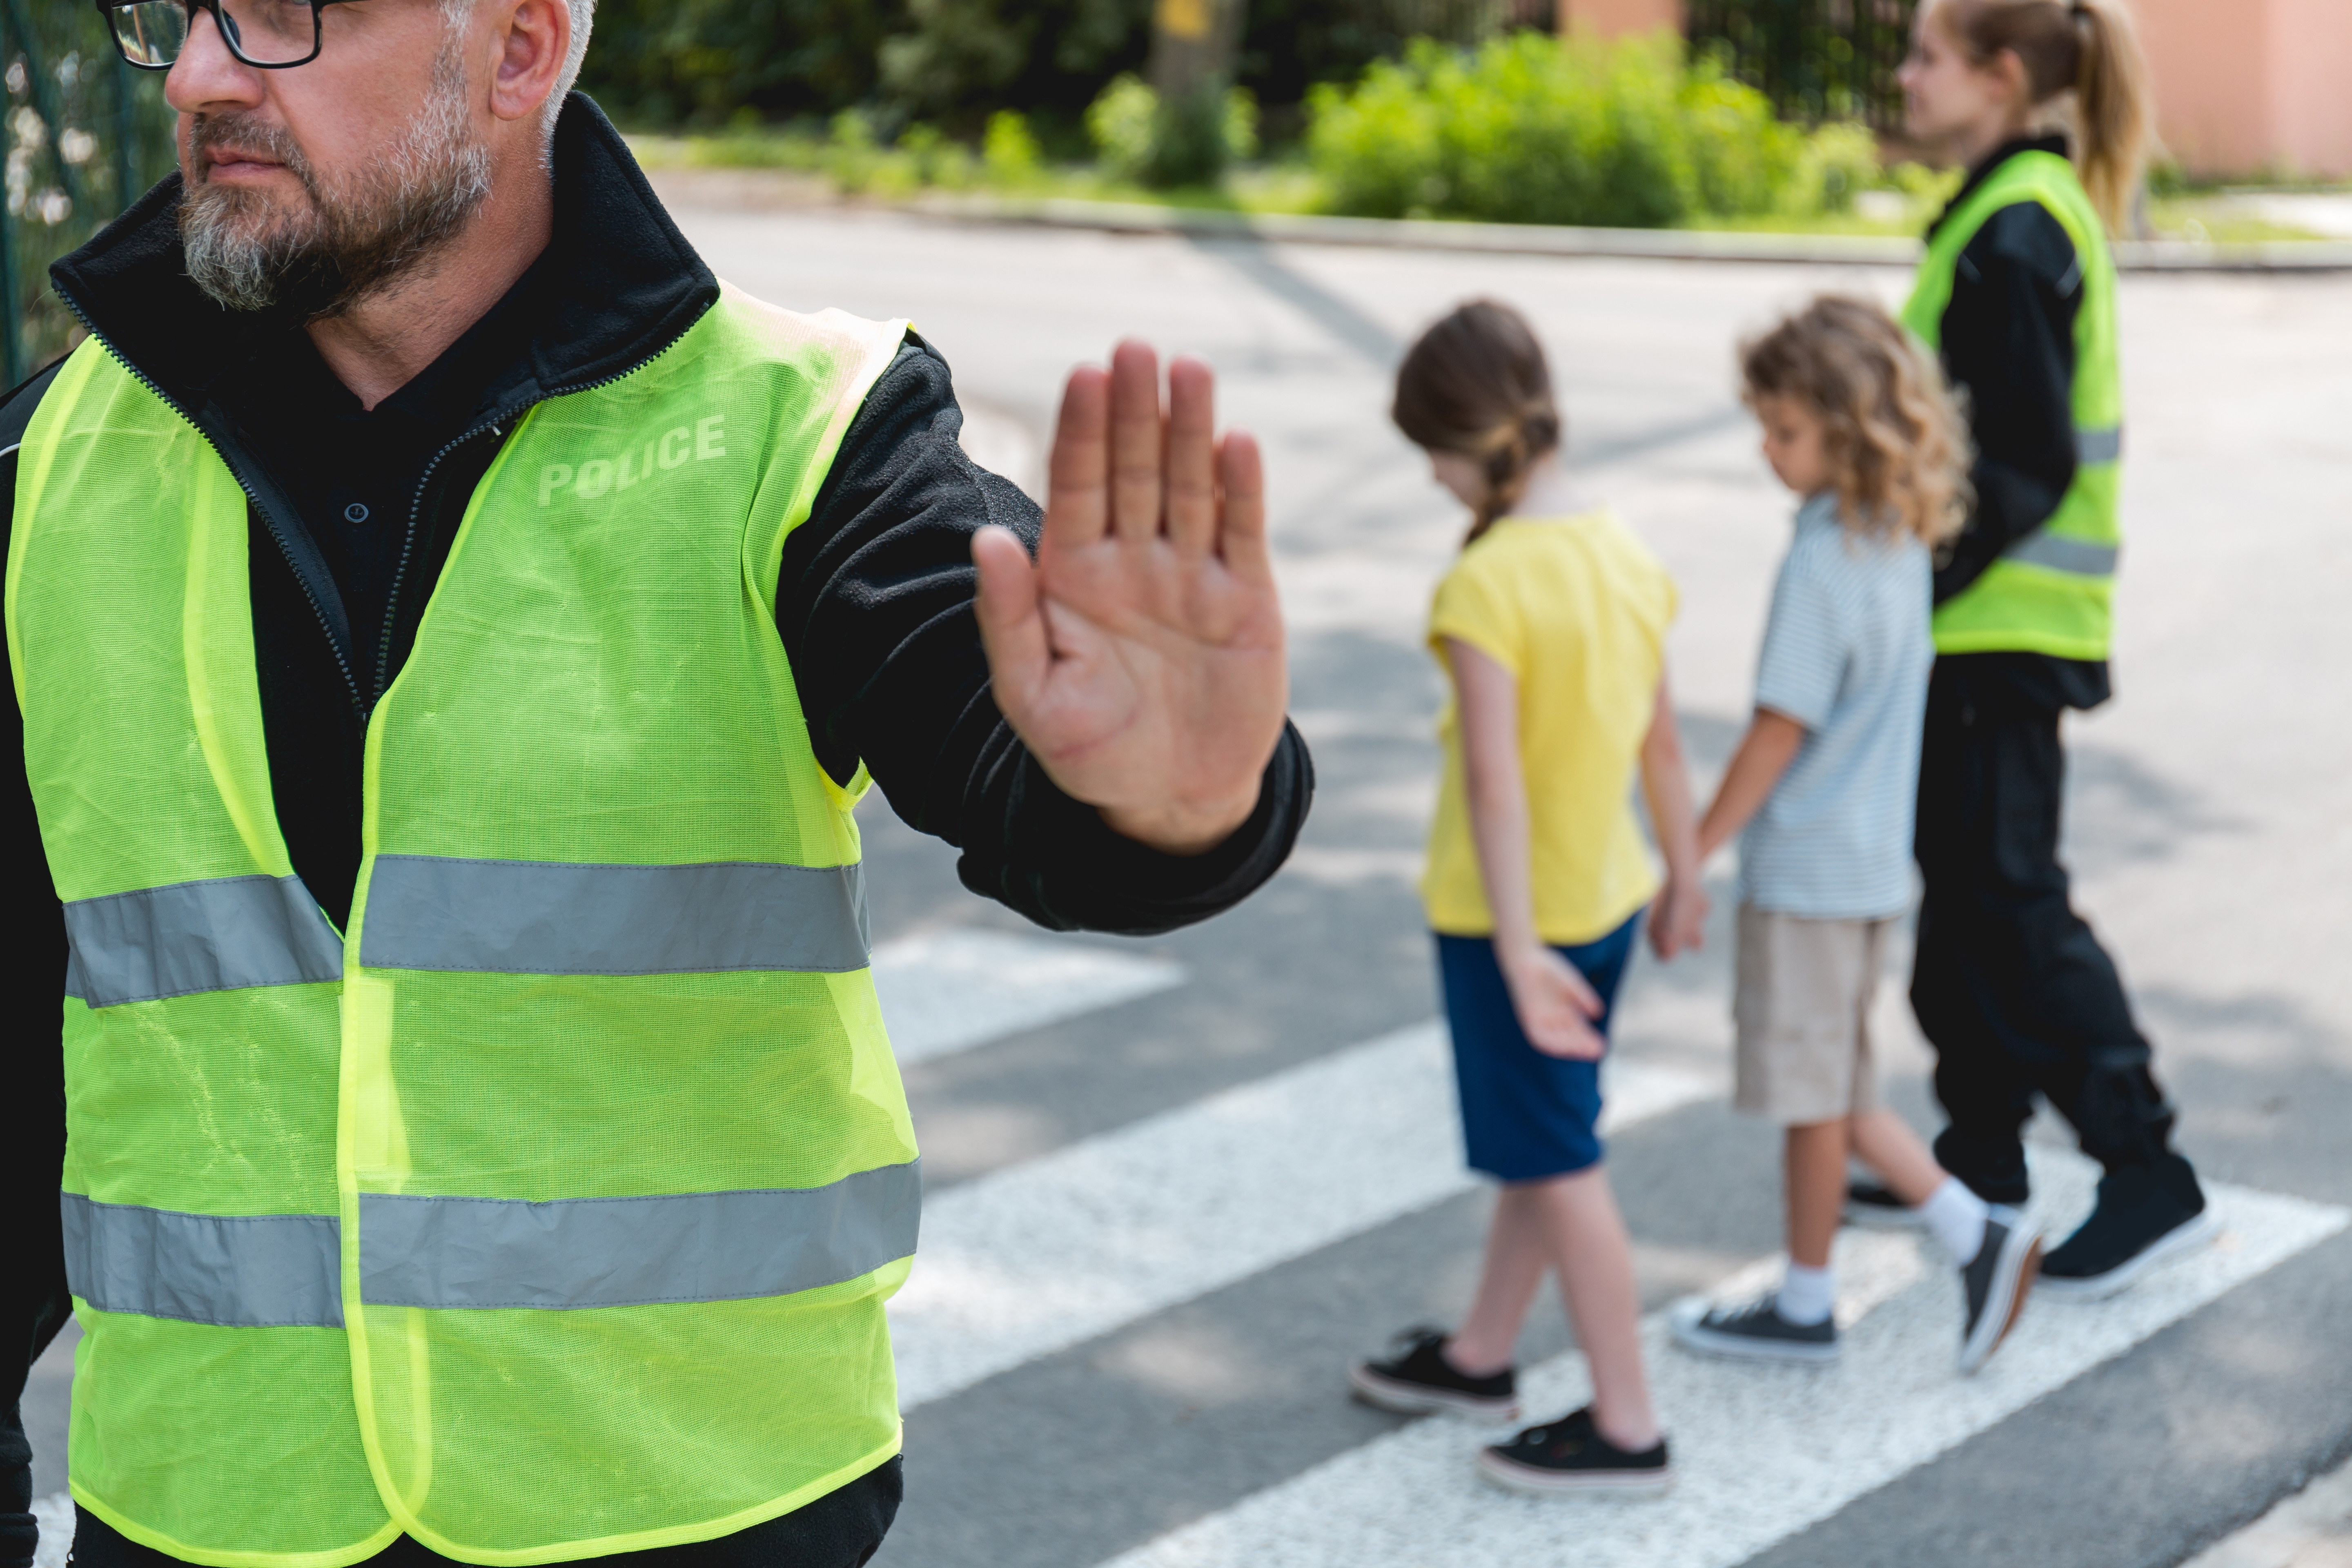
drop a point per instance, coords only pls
(875, 605)
(2008, 343)
(33, 1304)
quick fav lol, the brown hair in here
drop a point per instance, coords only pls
(2087, 48)
(1896, 445)
(1476, 384)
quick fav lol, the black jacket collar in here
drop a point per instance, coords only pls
(616, 285)
(1983, 171)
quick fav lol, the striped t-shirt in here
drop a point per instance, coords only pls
(1846, 654)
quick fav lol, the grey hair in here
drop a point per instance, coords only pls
(583, 22)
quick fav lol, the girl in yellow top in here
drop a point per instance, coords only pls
(1552, 626)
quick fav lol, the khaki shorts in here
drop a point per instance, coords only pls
(1803, 1011)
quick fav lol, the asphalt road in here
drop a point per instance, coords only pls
(2208, 827)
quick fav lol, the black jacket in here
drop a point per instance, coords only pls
(351, 517)
(2008, 348)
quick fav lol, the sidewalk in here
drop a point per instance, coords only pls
(774, 190)
(2311, 1528)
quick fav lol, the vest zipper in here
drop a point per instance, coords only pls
(363, 701)
(326, 624)
(508, 416)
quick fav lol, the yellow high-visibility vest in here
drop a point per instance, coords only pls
(2052, 592)
(549, 1209)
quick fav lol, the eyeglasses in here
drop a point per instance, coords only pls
(270, 33)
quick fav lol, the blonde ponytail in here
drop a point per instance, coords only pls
(2116, 106)
(2087, 48)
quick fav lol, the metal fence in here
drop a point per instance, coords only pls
(1816, 59)
(82, 134)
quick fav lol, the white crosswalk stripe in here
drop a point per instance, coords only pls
(1048, 1254)
(948, 991)
(1759, 1453)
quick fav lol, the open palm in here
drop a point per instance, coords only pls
(1139, 656)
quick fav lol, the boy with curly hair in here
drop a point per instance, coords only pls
(1858, 423)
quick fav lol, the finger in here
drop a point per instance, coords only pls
(1580, 995)
(1077, 504)
(1135, 440)
(1241, 538)
(1573, 1040)
(1191, 457)
(1012, 621)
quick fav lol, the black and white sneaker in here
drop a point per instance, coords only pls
(1756, 1331)
(1874, 1208)
(1569, 1454)
(2146, 1216)
(1417, 1380)
(1993, 1286)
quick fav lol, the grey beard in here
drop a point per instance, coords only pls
(351, 241)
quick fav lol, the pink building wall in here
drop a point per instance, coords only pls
(1611, 17)
(2252, 86)
(2242, 86)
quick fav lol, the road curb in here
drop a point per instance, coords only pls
(1545, 240)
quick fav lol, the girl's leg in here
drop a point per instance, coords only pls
(1586, 1237)
(1815, 1173)
(1516, 1259)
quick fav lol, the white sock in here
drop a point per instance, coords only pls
(1957, 1215)
(1807, 1294)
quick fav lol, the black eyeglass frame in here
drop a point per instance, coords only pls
(106, 8)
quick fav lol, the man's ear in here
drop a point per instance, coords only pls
(533, 38)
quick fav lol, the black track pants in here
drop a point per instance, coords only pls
(2010, 984)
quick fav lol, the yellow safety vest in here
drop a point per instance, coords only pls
(2052, 592)
(549, 1209)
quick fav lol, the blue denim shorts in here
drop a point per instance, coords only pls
(1525, 1116)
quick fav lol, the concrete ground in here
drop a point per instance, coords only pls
(2208, 827)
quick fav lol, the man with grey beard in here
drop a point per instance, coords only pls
(451, 631)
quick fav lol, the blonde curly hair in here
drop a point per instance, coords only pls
(1893, 433)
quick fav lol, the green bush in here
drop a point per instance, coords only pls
(1141, 140)
(1008, 151)
(1531, 129)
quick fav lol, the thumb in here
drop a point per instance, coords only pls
(1011, 625)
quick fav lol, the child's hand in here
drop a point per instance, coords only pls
(1678, 920)
(1555, 1005)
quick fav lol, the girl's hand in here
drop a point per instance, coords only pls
(1555, 1005)
(1678, 918)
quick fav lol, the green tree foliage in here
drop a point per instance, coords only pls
(957, 61)
(85, 134)
(668, 62)
(1531, 129)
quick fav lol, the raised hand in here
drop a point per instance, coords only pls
(1139, 656)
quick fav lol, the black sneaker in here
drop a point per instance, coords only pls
(1571, 1456)
(1874, 1207)
(2146, 1216)
(1756, 1331)
(1418, 1380)
(1993, 1285)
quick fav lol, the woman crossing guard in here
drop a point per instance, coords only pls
(2017, 293)
(1551, 626)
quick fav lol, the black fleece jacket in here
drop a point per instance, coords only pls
(2008, 347)
(354, 511)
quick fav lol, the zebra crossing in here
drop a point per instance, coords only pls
(1049, 1252)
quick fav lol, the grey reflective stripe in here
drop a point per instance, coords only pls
(219, 936)
(2099, 446)
(626, 1252)
(2075, 557)
(537, 917)
(235, 1271)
